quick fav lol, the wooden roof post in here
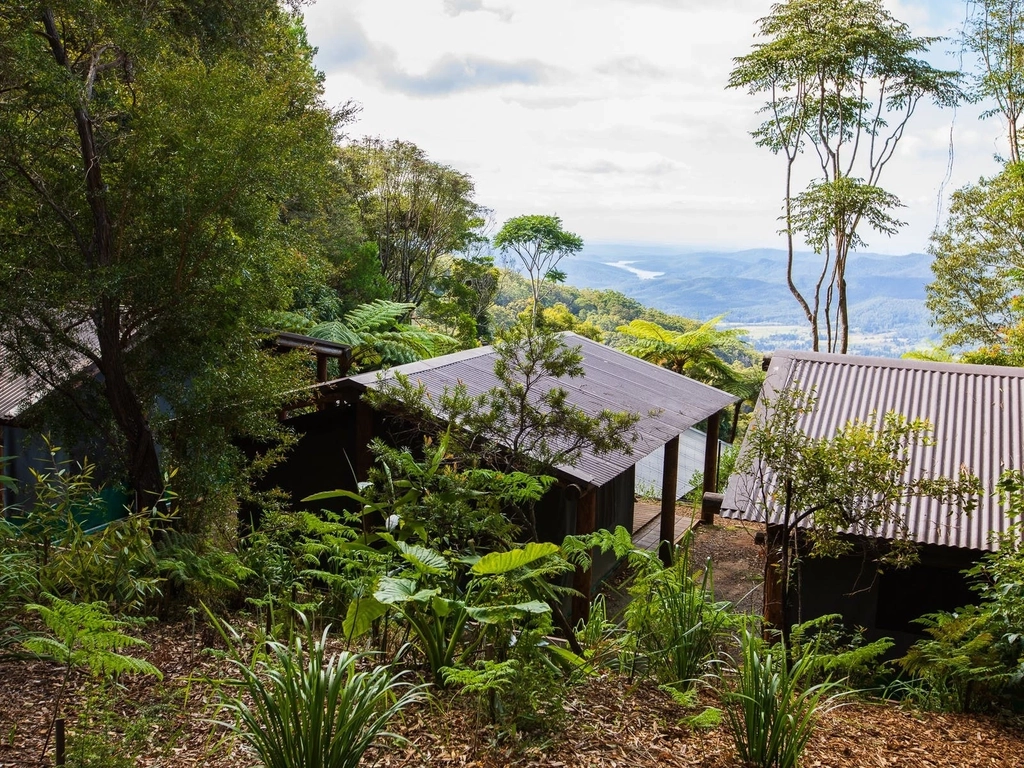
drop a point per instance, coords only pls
(669, 478)
(363, 458)
(707, 510)
(582, 582)
(774, 612)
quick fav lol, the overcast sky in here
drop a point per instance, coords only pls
(614, 113)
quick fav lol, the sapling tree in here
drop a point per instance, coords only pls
(540, 243)
(855, 482)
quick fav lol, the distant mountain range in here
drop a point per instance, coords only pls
(886, 293)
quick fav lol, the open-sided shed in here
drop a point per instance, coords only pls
(977, 416)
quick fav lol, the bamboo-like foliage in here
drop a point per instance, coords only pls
(311, 711)
(770, 714)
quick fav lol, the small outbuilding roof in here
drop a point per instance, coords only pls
(668, 403)
(976, 412)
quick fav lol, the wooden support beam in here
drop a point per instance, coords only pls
(707, 511)
(321, 368)
(774, 611)
(583, 580)
(363, 457)
(669, 478)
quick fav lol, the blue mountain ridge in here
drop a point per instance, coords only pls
(886, 293)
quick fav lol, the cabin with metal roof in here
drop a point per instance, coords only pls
(977, 418)
(597, 491)
(21, 445)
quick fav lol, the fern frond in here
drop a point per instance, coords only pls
(336, 331)
(377, 316)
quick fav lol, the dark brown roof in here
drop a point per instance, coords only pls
(668, 403)
(977, 414)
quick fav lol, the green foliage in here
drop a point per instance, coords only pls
(843, 78)
(151, 158)
(979, 264)
(438, 597)
(85, 635)
(838, 654)
(416, 210)
(118, 564)
(378, 336)
(102, 736)
(694, 353)
(540, 243)
(960, 662)
(770, 711)
(993, 31)
(460, 298)
(308, 710)
(458, 506)
(674, 618)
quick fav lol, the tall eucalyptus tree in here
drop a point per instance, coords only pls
(843, 79)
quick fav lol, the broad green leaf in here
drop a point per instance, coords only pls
(337, 494)
(361, 615)
(495, 563)
(390, 590)
(423, 559)
(497, 614)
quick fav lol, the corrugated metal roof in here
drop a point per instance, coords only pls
(19, 391)
(977, 415)
(669, 404)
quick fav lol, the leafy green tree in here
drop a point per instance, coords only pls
(524, 423)
(416, 210)
(854, 482)
(979, 261)
(148, 157)
(460, 298)
(842, 79)
(995, 33)
(540, 243)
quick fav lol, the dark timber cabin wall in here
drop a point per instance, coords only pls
(883, 603)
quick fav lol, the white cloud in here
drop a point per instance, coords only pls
(612, 113)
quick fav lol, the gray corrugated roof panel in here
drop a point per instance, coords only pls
(668, 403)
(976, 414)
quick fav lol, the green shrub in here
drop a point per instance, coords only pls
(770, 713)
(675, 621)
(116, 565)
(838, 653)
(84, 636)
(311, 711)
(960, 663)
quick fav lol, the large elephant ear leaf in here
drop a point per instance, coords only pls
(361, 615)
(423, 559)
(391, 591)
(498, 614)
(495, 563)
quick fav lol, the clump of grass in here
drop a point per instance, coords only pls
(311, 711)
(770, 713)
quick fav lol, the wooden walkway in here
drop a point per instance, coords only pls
(647, 523)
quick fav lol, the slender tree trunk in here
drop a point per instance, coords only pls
(812, 317)
(141, 457)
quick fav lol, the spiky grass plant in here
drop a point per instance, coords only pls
(770, 714)
(311, 711)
